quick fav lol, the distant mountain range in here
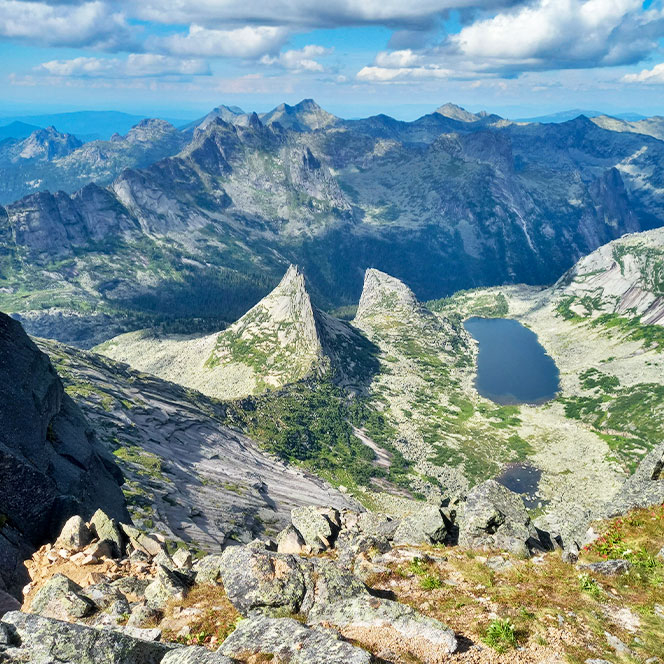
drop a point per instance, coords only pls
(86, 125)
(201, 223)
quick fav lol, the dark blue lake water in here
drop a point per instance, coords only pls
(512, 365)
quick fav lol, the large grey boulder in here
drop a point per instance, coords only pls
(643, 489)
(326, 581)
(107, 530)
(167, 585)
(261, 580)
(290, 641)
(289, 540)
(62, 599)
(51, 465)
(195, 655)
(45, 641)
(418, 634)
(495, 518)
(429, 525)
(74, 535)
(317, 525)
(208, 569)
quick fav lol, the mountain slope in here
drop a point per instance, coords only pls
(281, 340)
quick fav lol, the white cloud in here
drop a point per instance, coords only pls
(137, 65)
(386, 75)
(562, 33)
(93, 24)
(398, 59)
(245, 42)
(299, 60)
(654, 76)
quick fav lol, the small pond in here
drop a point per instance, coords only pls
(512, 365)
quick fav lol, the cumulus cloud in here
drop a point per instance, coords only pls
(137, 65)
(299, 60)
(246, 42)
(654, 76)
(543, 35)
(307, 13)
(85, 24)
(387, 75)
(562, 34)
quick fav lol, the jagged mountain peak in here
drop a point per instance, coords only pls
(455, 112)
(306, 115)
(383, 293)
(48, 143)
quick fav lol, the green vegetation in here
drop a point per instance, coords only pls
(468, 303)
(500, 635)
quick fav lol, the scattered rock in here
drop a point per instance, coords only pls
(167, 585)
(208, 568)
(326, 582)
(62, 599)
(74, 535)
(104, 595)
(609, 567)
(289, 540)
(419, 634)
(318, 526)
(429, 525)
(142, 616)
(183, 559)
(145, 633)
(499, 564)
(495, 518)
(106, 530)
(46, 641)
(262, 580)
(290, 641)
(131, 585)
(195, 655)
(616, 644)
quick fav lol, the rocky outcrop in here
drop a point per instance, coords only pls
(282, 339)
(44, 640)
(51, 465)
(493, 517)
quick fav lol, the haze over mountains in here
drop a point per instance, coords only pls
(201, 223)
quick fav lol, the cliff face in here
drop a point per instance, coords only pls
(51, 466)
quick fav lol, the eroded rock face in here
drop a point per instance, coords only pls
(290, 641)
(495, 518)
(51, 466)
(44, 641)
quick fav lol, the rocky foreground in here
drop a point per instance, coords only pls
(473, 581)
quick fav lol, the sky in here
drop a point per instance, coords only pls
(180, 58)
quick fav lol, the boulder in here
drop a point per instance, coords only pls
(75, 535)
(62, 599)
(376, 524)
(317, 525)
(289, 641)
(105, 596)
(495, 518)
(208, 568)
(195, 655)
(140, 541)
(131, 585)
(167, 585)
(106, 530)
(143, 616)
(422, 637)
(44, 641)
(289, 540)
(183, 559)
(263, 581)
(326, 581)
(609, 567)
(429, 525)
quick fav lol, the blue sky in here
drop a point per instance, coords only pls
(355, 57)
